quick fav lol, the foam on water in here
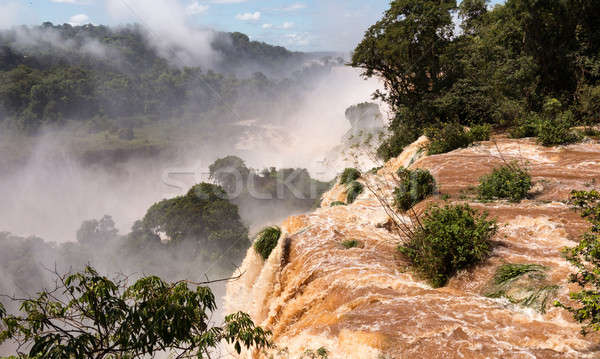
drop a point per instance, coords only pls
(364, 303)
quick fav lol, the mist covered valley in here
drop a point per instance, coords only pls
(98, 124)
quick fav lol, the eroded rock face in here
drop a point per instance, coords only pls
(363, 303)
(364, 116)
(359, 144)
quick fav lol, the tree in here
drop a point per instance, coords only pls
(406, 48)
(90, 316)
(97, 232)
(204, 215)
(586, 258)
(229, 172)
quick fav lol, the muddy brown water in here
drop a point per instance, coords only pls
(364, 303)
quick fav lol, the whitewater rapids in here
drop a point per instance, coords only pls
(364, 303)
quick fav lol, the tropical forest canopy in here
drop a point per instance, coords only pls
(501, 66)
(51, 74)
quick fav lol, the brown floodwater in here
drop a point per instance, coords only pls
(363, 302)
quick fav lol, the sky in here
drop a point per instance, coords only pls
(302, 25)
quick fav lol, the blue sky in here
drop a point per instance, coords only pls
(305, 25)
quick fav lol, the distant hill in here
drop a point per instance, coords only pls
(129, 48)
(50, 74)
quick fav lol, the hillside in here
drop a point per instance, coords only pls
(121, 78)
(363, 302)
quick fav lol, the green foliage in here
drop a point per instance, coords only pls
(450, 239)
(586, 258)
(349, 175)
(526, 126)
(320, 353)
(413, 187)
(480, 132)
(557, 131)
(337, 203)
(509, 181)
(266, 241)
(509, 272)
(266, 193)
(230, 172)
(351, 243)
(447, 137)
(204, 215)
(99, 318)
(522, 284)
(374, 170)
(589, 104)
(97, 232)
(406, 49)
(354, 189)
(401, 136)
(43, 83)
(500, 67)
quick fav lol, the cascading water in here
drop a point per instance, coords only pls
(362, 302)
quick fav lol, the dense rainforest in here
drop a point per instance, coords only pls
(526, 65)
(51, 74)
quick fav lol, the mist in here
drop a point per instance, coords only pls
(53, 191)
(74, 171)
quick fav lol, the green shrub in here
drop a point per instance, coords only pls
(374, 170)
(337, 203)
(557, 131)
(509, 181)
(349, 175)
(414, 187)
(526, 126)
(355, 188)
(447, 137)
(480, 132)
(351, 243)
(401, 136)
(585, 257)
(450, 239)
(266, 241)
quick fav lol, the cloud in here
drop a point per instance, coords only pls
(195, 8)
(294, 7)
(227, 1)
(249, 16)
(287, 25)
(297, 39)
(267, 26)
(79, 19)
(168, 27)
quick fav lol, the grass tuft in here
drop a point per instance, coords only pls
(522, 284)
(266, 241)
(349, 175)
(351, 243)
(355, 188)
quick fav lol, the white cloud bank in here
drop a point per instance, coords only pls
(169, 29)
(79, 19)
(196, 9)
(249, 16)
